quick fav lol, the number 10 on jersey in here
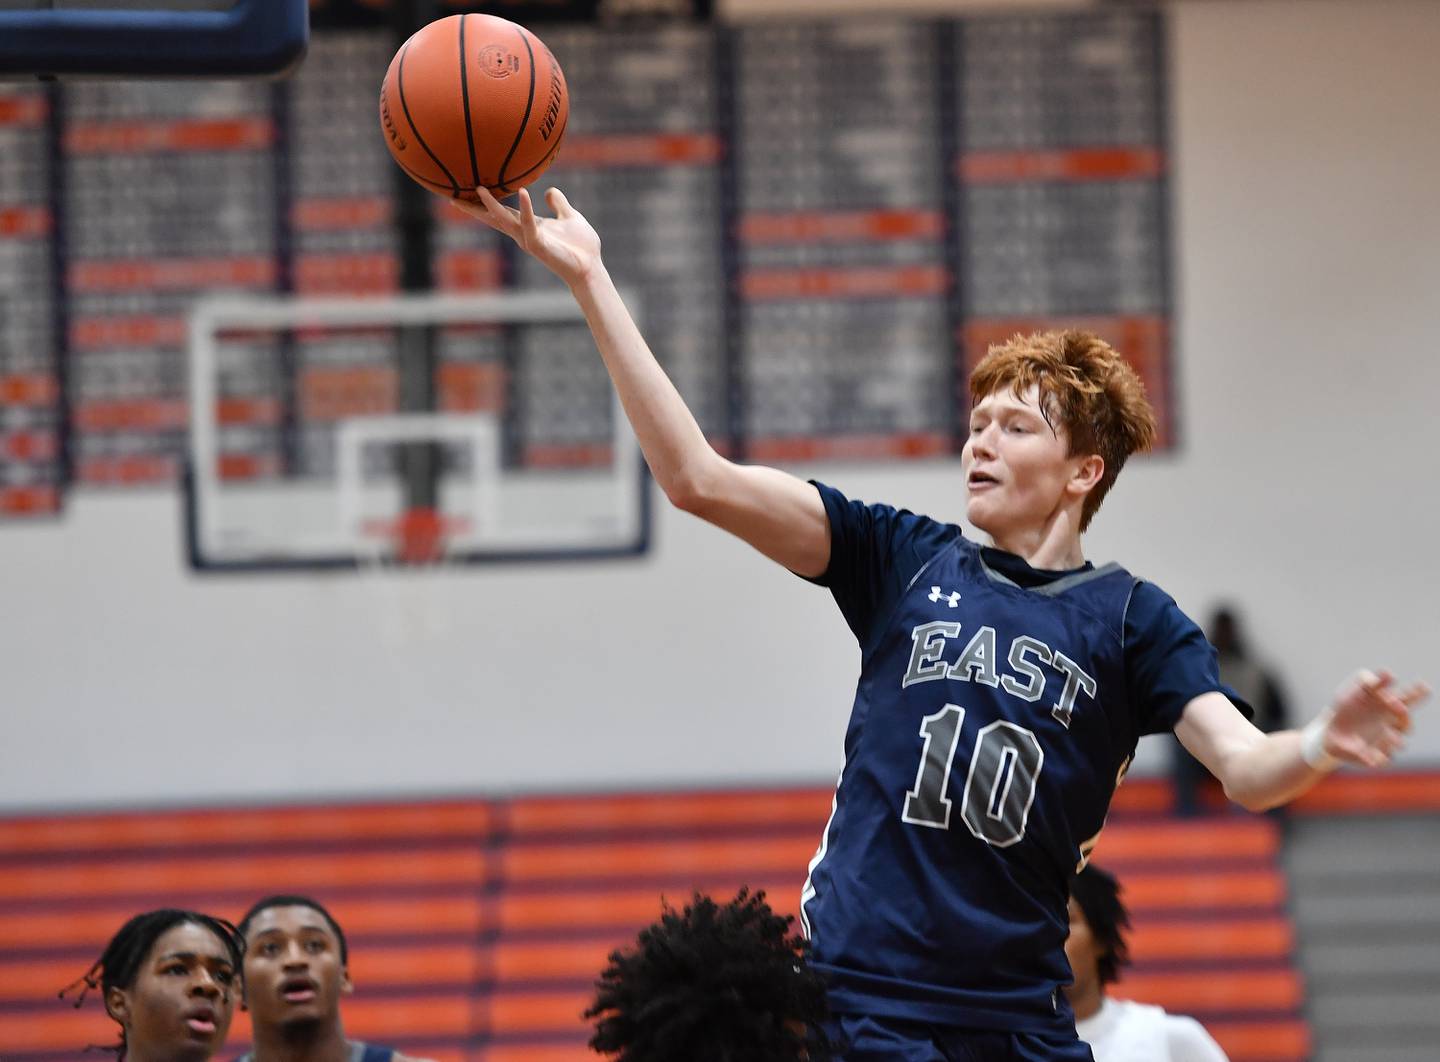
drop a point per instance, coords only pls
(999, 786)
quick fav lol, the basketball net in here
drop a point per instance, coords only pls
(409, 557)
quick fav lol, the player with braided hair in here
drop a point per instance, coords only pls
(712, 983)
(169, 979)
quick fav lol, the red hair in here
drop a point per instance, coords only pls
(1084, 386)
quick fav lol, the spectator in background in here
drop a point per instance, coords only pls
(712, 983)
(1119, 1030)
(1256, 684)
(1245, 674)
(169, 980)
(297, 968)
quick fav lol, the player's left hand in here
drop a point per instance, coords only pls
(1370, 717)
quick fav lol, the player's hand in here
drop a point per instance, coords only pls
(1370, 717)
(565, 244)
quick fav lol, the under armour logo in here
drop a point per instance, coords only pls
(952, 598)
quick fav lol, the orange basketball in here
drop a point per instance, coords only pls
(473, 100)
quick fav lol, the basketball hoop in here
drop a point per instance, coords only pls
(529, 484)
(407, 558)
(418, 538)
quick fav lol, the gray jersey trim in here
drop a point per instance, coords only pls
(1125, 616)
(357, 1053)
(926, 566)
(1059, 586)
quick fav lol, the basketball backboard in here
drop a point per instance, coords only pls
(151, 38)
(308, 444)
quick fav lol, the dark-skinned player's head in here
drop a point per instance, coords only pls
(1096, 946)
(712, 983)
(1084, 390)
(169, 978)
(296, 965)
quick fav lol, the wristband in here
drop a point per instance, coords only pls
(1312, 743)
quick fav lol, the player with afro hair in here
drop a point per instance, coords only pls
(712, 983)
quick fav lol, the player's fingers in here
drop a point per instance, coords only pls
(476, 211)
(528, 221)
(1415, 694)
(1364, 753)
(1389, 739)
(1358, 689)
(1400, 706)
(559, 203)
(1370, 682)
(506, 220)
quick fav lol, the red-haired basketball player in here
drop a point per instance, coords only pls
(1002, 688)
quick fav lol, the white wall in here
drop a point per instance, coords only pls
(764, 9)
(1305, 488)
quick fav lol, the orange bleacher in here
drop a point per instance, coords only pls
(477, 927)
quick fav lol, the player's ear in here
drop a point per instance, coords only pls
(1088, 472)
(346, 985)
(117, 1005)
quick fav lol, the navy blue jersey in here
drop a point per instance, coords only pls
(356, 1052)
(997, 710)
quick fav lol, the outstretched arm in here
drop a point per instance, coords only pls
(1365, 725)
(777, 513)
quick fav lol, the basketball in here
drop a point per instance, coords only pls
(473, 100)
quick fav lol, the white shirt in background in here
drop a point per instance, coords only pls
(1124, 1031)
